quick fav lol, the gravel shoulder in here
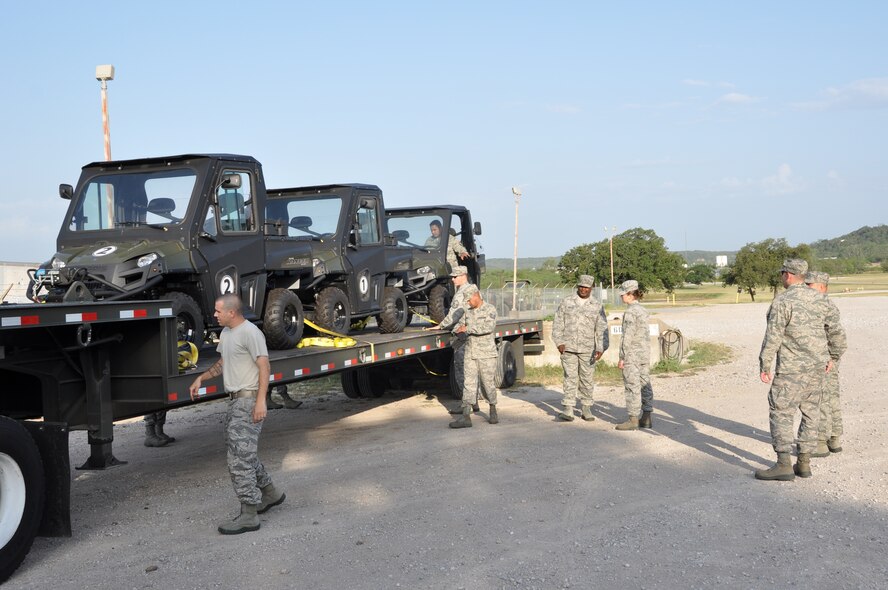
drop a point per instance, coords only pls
(381, 494)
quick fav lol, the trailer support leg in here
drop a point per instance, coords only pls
(96, 365)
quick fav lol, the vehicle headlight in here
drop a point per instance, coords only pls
(318, 267)
(57, 264)
(147, 259)
(424, 270)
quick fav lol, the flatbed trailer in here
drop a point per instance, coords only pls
(83, 366)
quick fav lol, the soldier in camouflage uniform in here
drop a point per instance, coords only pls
(455, 318)
(635, 360)
(579, 330)
(807, 339)
(829, 440)
(245, 371)
(480, 357)
(454, 246)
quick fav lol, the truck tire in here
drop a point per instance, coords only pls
(189, 319)
(283, 320)
(350, 384)
(332, 311)
(439, 302)
(456, 388)
(21, 494)
(371, 383)
(506, 365)
(393, 317)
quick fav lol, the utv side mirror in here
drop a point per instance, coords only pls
(402, 235)
(476, 229)
(66, 191)
(162, 206)
(302, 222)
(231, 181)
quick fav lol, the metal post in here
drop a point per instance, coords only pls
(517, 192)
(106, 127)
(611, 240)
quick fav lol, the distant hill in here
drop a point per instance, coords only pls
(523, 263)
(870, 243)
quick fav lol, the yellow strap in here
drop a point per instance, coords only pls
(338, 342)
(419, 315)
(186, 359)
(428, 371)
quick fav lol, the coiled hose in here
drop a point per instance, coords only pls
(672, 345)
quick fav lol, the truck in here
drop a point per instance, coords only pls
(81, 366)
(427, 284)
(192, 227)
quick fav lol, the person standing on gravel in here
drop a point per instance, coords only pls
(807, 339)
(829, 440)
(455, 318)
(245, 371)
(579, 331)
(480, 358)
(635, 360)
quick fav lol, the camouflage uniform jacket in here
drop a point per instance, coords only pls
(804, 332)
(580, 325)
(635, 347)
(454, 247)
(480, 326)
(458, 306)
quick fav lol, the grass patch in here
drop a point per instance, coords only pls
(702, 355)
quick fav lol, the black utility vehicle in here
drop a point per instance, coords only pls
(190, 228)
(427, 284)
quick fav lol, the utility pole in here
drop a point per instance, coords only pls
(517, 192)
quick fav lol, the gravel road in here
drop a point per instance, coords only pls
(381, 494)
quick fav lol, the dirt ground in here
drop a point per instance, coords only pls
(381, 494)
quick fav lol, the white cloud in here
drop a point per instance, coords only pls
(868, 93)
(782, 183)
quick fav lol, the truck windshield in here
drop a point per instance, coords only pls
(133, 199)
(316, 217)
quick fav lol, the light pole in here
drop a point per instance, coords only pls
(517, 192)
(103, 74)
(610, 231)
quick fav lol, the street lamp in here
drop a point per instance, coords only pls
(611, 231)
(517, 192)
(103, 74)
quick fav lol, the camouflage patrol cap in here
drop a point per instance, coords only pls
(471, 290)
(795, 266)
(586, 281)
(814, 276)
(459, 270)
(628, 287)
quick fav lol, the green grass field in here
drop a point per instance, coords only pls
(709, 293)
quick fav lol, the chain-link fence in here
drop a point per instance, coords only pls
(531, 301)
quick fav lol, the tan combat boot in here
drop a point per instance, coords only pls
(271, 497)
(645, 420)
(781, 471)
(244, 522)
(803, 465)
(834, 444)
(464, 421)
(493, 419)
(631, 423)
(822, 449)
(587, 413)
(567, 414)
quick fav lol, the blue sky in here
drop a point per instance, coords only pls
(715, 124)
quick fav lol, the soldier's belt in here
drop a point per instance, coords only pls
(242, 393)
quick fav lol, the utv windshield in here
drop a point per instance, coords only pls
(421, 231)
(132, 199)
(305, 218)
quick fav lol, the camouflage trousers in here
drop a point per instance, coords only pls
(579, 378)
(638, 390)
(830, 407)
(156, 418)
(459, 364)
(479, 372)
(242, 439)
(789, 394)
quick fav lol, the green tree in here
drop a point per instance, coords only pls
(758, 264)
(700, 273)
(639, 254)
